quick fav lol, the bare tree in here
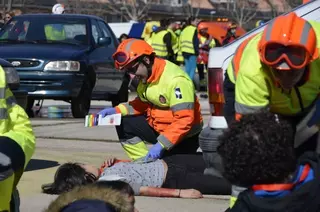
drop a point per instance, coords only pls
(192, 8)
(130, 9)
(9, 5)
(273, 8)
(86, 7)
(293, 3)
(243, 11)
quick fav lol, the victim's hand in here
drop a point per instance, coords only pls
(109, 162)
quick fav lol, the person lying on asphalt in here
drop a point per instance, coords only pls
(174, 176)
(258, 153)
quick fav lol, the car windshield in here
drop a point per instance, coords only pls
(50, 29)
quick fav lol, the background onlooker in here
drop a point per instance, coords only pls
(8, 16)
(189, 44)
(123, 37)
(1, 20)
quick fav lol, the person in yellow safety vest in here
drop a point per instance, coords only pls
(149, 40)
(17, 144)
(179, 58)
(56, 31)
(161, 41)
(276, 69)
(206, 42)
(174, 38)
(166, 111)
(189, 44)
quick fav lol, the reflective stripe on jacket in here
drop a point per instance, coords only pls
(180, 57)
(174, 41)
(170, 103)
(186, 39)
(158, 44)
(256, 89)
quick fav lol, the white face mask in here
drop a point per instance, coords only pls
(233, 31)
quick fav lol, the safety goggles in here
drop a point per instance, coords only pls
(120, 59)
(295, 56)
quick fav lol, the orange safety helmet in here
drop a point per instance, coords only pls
(130, 50)
(290, 33)
(202, 25)
(232, 26)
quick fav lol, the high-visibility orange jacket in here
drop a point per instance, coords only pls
(170, 103)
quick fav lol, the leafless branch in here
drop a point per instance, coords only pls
(241, 12)
(192, 8)
(273, 7)
(293, 3)
(132, 9)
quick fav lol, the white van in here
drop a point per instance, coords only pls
(220, 57)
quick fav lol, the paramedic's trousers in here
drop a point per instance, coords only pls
(134, 132)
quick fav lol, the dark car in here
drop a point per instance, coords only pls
(64, 57)
(13, 83)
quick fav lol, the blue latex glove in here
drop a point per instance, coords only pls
(315, 119)
(155, 152)
(107, 112)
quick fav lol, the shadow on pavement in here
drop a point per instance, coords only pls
(37, 164)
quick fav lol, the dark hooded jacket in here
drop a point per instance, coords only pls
(304, 197)
(91, 198)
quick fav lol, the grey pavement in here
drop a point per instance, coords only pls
(65, 140)
(98, 105)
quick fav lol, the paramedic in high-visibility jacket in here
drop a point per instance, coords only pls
(277, 69)
(166, 112)
(17, 143)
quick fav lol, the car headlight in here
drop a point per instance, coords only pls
(62, 66)
(12, 76)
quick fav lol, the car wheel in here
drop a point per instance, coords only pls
(29, 111)
(80, 105)
(123, 93)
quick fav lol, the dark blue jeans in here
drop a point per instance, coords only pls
(190, 62)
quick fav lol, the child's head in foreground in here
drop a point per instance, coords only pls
(258, 150)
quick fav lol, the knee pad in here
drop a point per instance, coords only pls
(208, 142)
(208, 139)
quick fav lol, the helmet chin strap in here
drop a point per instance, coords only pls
(149, 68)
